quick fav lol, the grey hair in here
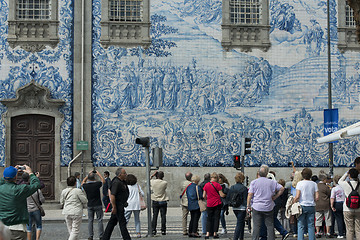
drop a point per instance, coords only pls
(118, 171)
(264, 170)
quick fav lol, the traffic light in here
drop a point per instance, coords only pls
(237, 162)
(144, 141)
(157, 157)
(245, 145)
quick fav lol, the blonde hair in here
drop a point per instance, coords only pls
(195, 179)
(215, 176)
(297, 178)
(239, 177)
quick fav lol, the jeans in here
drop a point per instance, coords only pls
(99, 216)
(73, 223)
(106, 201)
(240, 224)
(137, 219)
(203, 221)
(339, 217)
(162, 207)
(277, 226)
(268, 218)
(114, 219)
(222, 218)
(34, 216)
(307, 218)
(194, 221)
(212, 224)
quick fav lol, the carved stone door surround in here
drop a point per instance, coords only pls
(34, 98)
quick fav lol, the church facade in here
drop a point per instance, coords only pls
(194, 75)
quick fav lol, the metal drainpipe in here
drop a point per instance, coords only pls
(81, 83)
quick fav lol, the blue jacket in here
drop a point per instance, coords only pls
(192, 196)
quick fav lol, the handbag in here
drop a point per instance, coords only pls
(42, 211)
(202, 203)
(142, 201)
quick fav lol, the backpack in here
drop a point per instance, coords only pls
(235, 199)
(352, 201)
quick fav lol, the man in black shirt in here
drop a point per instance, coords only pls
(118, 198)
(92, 189)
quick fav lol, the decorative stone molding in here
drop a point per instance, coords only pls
(33, 35)
(245, 36)
(33, 96)
(34, 99)
(123, 33)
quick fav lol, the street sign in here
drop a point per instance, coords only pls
(82, 145)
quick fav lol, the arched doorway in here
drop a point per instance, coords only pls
(32, 143)
(32, 134)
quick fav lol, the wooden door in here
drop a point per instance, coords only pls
(32, 143)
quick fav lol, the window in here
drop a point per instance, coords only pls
(125, 11)
(245, 24)
(125, 23)
(347, 28)
(33, 24)
(31, 10)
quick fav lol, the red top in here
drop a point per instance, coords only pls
(213, 197)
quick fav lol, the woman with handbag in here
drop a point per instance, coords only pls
(306, 194)
(213, 193)
(34, 208)
(194, 194)
(135, 192)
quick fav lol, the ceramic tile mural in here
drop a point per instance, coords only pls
(51, 68)
(196, 101)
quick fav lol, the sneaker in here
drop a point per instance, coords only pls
(224, 231)
(285, 236)
(318, 235)
(163, 233)
(328, 235)
(295, 236)
(340, 236)
(306, 235)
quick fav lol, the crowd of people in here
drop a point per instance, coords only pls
(306, 206)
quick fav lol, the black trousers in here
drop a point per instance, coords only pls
(114, 219)
(162, 208)
(212, 224)
(194, 220)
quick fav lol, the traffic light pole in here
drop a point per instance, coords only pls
(243, 164)
(148, 198)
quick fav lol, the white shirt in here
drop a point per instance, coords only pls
(338, 194)
(307, 189)
(134, 197)
(347, 189)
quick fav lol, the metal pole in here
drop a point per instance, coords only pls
(331, 153)
(148, 169)
(242, 164)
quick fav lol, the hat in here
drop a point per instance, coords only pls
(10, 172)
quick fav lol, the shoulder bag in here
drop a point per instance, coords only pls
(142, 201)
(42, 212)
(201, 202)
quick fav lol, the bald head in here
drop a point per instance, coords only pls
(188, 176)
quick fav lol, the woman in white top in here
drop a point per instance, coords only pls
(351, 216)
(134, 202)
(337, 199)
(73, 199)
(306, 194)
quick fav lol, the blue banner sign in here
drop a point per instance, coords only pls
(331, 120)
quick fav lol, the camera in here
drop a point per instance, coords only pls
(21, 168)
(94, 171)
